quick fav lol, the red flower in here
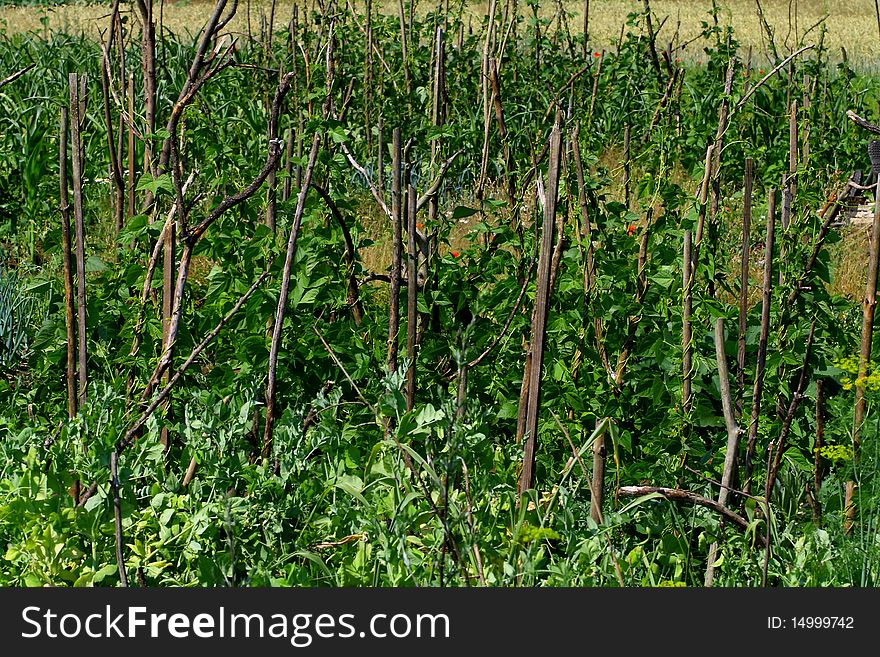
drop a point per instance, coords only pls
(630, 230)
(454, 254)
(760, 71)
(596, 54)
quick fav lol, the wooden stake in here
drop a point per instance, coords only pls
(761, 364)
(68, 268)
(77, 114)
(411, 295)
(542, 301)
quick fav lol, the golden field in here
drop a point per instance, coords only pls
(850, 24)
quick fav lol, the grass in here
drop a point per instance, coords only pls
(852, 25)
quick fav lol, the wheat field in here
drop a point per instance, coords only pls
(852, 25)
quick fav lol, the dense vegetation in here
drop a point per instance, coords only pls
(352, 488)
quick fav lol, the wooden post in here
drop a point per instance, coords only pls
(77, 116)
(68, 268)
(744, 285)
(761, 364)
(396, 251)
(542, 300)
(411, 295)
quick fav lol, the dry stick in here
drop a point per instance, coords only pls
(703, 200)
(718, 483)
(132, 164)
(77, 110)
(190, 472)
(790, 183)
(116, 29)
(761, 364)
(282, 296)
(760, 83)
(487, 101)
(462, 376)
(869, 306)
(115, 166)
(68, 268)
(345, 373)
(652, 39)
(437, 114)
(597, 484)
(396, 250)
(728, 474)
(808, 101)
(117, 518)
(148, 66)
(687, 497)
(744, 286)
(148, 281)
(542, 300)
(586, 48)
(352, 299)
(380, 157)
(687, 289)
(168, 262)
(509, 184)
(12, 78)
(595, 88)
(411, 296)
(135, 428)
(862, 123)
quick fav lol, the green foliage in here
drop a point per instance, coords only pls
(358, 491)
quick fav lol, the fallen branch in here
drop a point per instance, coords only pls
(16, 75)
(687, 497)
(862, 123)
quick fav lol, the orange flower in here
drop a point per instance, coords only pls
(454, 254)
(420, 226)
(631, 229)
(760, 71)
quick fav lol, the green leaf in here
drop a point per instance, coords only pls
(163, 183)
(463, 211)
(641, 500)
(94, 263)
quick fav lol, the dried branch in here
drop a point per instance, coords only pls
(687, 497)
